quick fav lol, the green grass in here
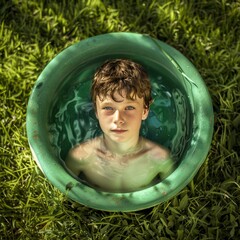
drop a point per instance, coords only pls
(33, 32)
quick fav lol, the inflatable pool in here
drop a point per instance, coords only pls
(60, 114)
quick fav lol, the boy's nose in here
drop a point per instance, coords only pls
(118, 117)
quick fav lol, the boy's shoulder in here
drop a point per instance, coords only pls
(157, 151)
(85, 149)
(81, 155)
(162, 157)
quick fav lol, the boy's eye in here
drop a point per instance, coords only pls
(108, 108)
(130, 108)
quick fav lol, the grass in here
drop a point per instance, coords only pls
(206, 32)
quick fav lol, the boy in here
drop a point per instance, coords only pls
(120, 160)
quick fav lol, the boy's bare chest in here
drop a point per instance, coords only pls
(121, 173)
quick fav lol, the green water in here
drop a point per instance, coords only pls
(72, 119)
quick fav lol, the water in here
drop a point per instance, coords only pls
(72, 119)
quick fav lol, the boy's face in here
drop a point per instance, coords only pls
(120, 119)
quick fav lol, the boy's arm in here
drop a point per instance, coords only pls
(166, 167)
(76, 159)
(164, 161)
(73, 164)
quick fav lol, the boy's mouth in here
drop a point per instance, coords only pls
(118, 130)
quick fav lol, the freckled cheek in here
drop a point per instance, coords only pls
(133, 122)
(103, 115)
(134, 117)
(104, 118)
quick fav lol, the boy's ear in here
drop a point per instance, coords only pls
(145, 113)
(96, 114)
(95, 110)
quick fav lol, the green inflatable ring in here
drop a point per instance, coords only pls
(193, 116)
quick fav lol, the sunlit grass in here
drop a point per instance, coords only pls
(33, 32)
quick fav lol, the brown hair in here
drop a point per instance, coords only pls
(121, 74)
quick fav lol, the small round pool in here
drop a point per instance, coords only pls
(60, 114)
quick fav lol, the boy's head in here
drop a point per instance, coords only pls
(118, 76)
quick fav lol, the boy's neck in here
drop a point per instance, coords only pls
(122, 148)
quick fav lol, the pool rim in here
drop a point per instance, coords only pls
(138, 200)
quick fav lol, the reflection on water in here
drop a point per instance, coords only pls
(74, 120)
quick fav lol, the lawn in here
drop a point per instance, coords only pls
(206, 32)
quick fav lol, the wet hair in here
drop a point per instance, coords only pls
(120, 75)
